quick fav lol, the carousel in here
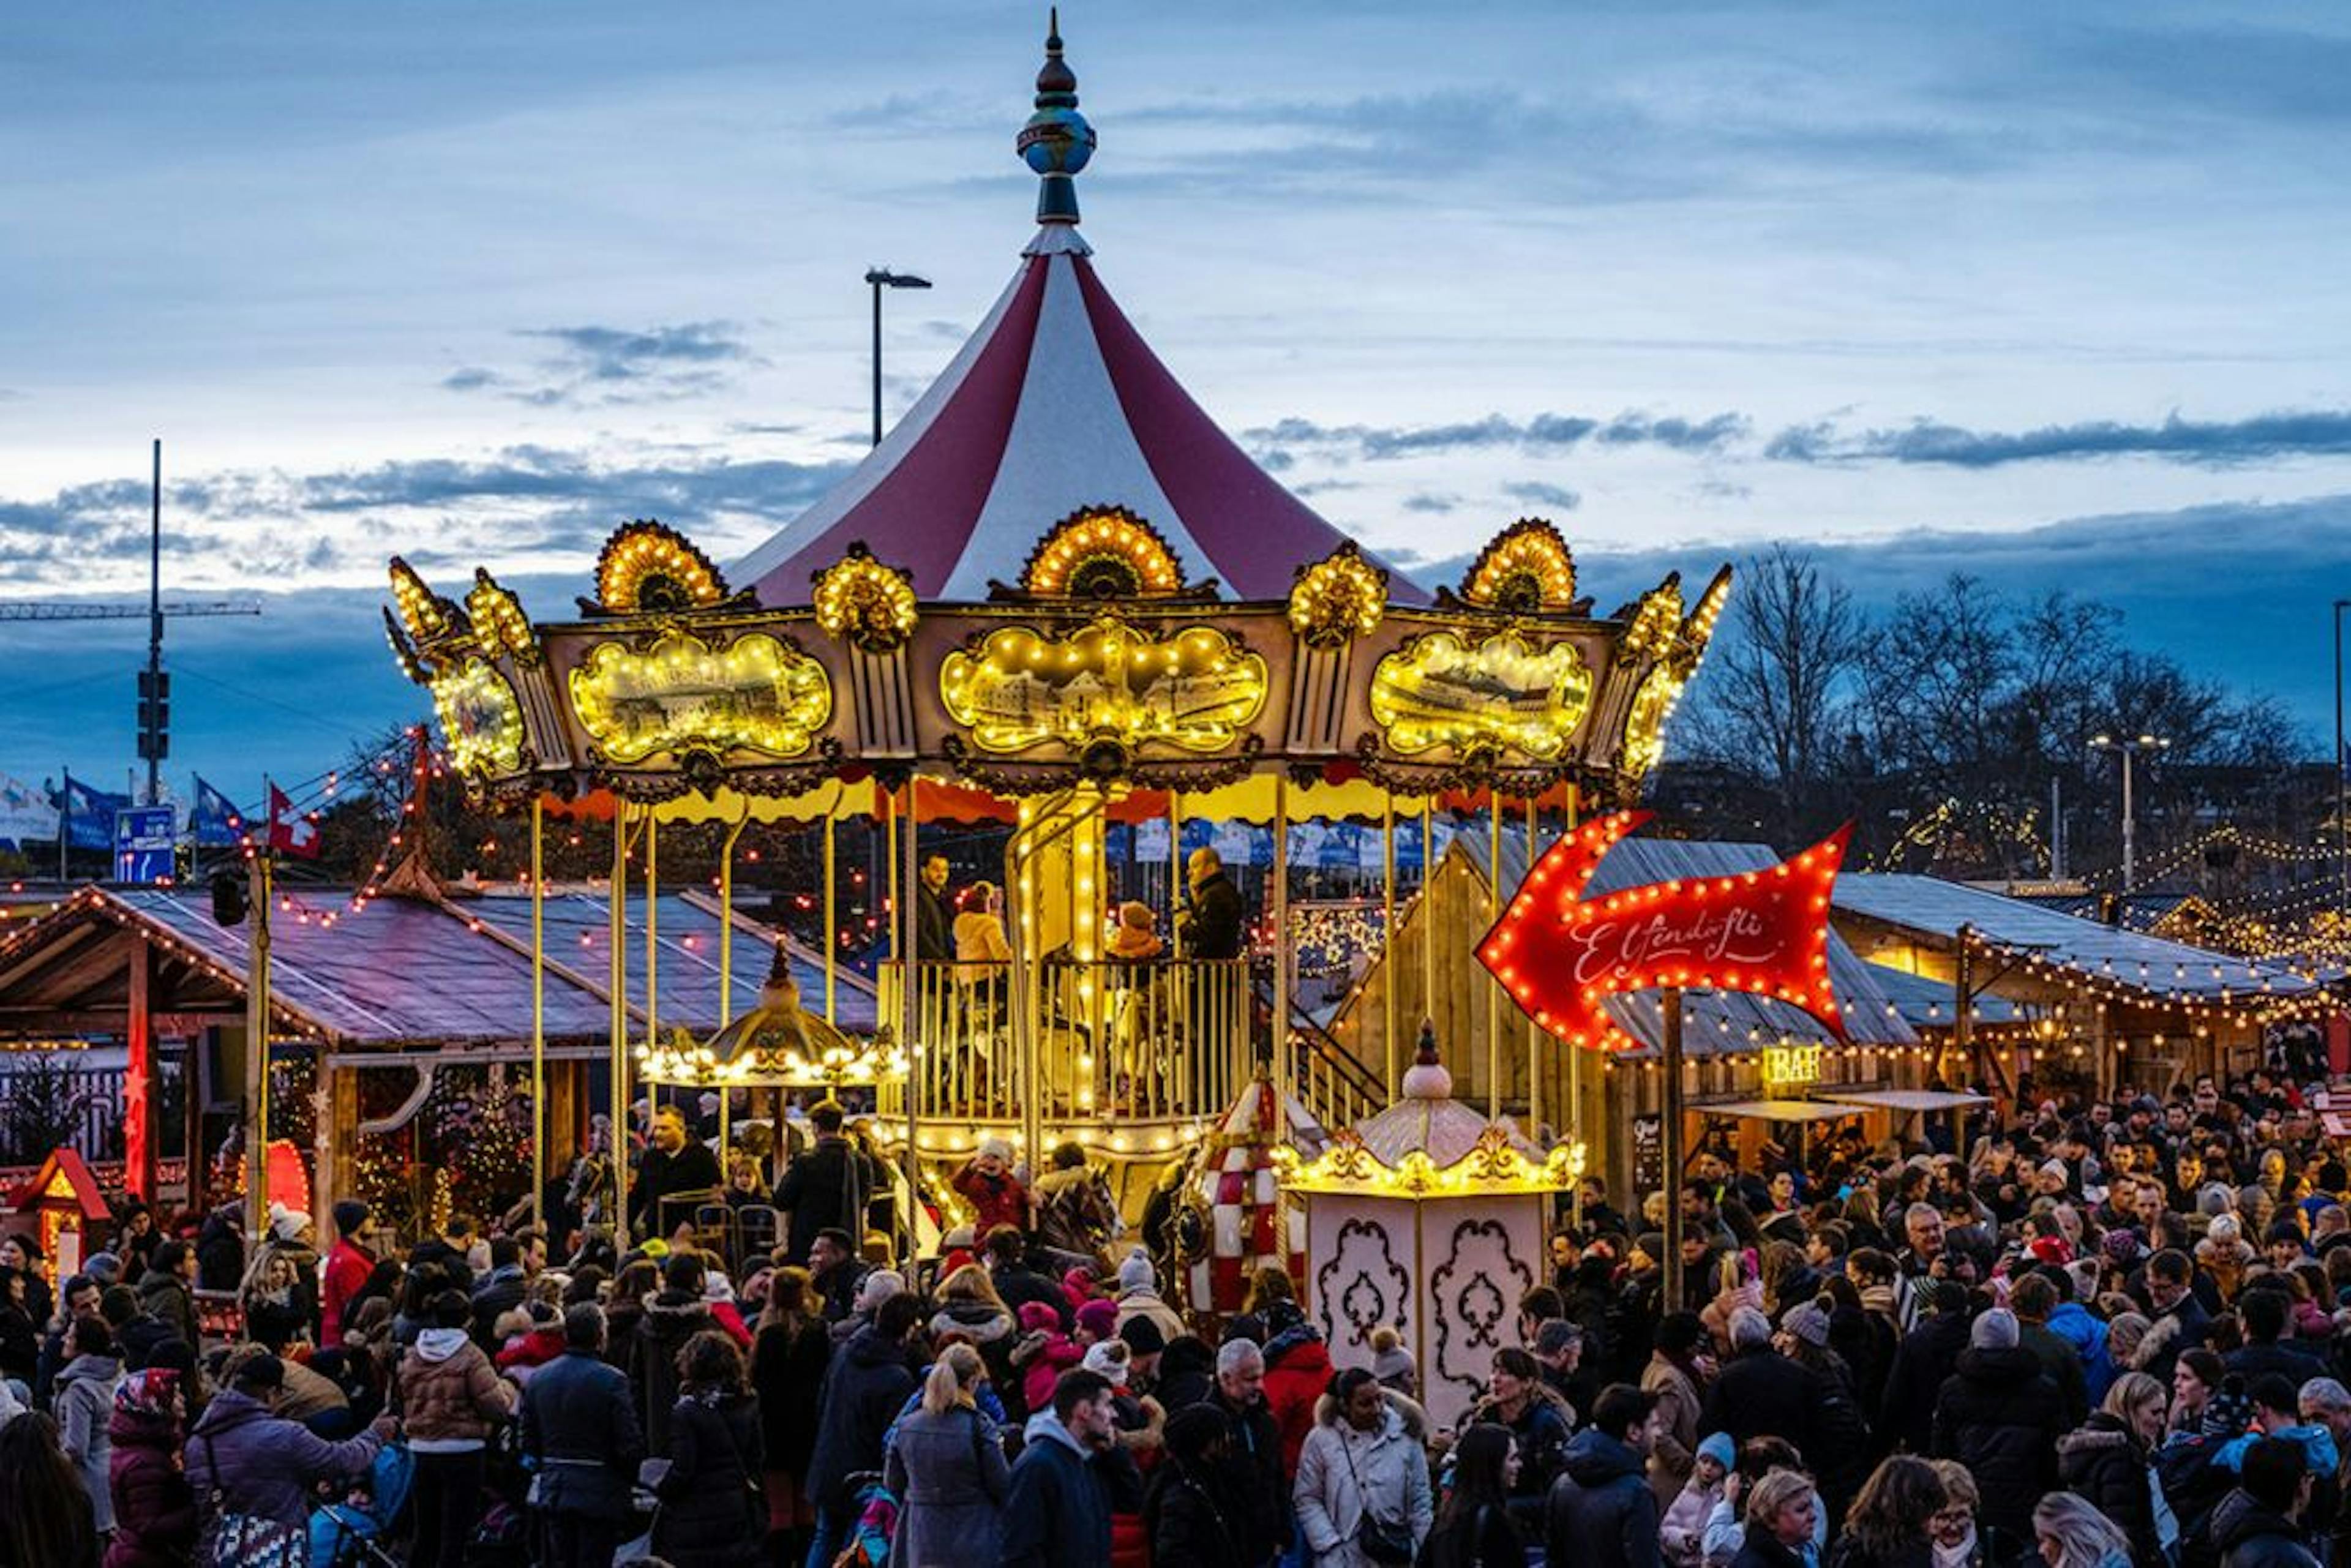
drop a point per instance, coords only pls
(1057, 597)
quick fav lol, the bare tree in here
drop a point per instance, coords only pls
(1776, 694)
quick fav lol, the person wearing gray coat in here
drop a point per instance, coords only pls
(85, 1403)
(947, 1462)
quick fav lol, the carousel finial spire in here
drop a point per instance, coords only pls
(1057, 141)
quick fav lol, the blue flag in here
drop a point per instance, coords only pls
(217, 823)
(89, 815)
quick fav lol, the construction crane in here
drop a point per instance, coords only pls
(61, 609)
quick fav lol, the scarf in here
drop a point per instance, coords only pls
(1879, 1298)
(1955, 1556)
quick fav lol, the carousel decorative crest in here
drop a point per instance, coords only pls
(1526, 568)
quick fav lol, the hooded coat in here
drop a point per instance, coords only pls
(1600, 1512)
(2000, 1415)
(85, 1397)
(1343, 1472)
(671, 1318)
(450, 1395)
(871, 1377)
(2252, 1536)
(1057, 1511)
(263, 1464)
(949, 1473)
(1297, 1371)
(2109, 1468)
(154, 1508)
(167, 1298)
(711, 1513)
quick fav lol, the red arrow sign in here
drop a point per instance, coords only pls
(1561, 954)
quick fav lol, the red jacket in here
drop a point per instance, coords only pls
(1296, 1373)
(345, 1275)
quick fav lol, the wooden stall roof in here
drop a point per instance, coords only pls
(1927, 1003)
(1931, 910)
(393, 971)
(1713, 1022)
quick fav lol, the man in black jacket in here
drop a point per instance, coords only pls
(676, 1165)
(579, 1430)
(1212, 926)
(1601, 1511)
(867, 1385)
(933, 915)
(1760, 1392)
(2001, 1415)
(826, 1187)
(1250, 1490)
(1925, 1358)
(2258, 1525)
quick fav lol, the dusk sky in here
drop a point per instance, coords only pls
(2055, 294)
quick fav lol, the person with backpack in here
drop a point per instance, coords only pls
(713, 1512)
(252, 1469)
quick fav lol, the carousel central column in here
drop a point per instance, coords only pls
(617, 937)
(652, 927)
(1388, 937)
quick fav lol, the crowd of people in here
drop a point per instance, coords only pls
(2113, 1335)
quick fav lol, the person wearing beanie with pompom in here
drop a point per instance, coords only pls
(2001, 1417)
(1138, 1295)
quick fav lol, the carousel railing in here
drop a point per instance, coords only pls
(1163, 1041)
(1329, 1080)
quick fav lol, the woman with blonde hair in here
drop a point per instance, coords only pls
(970, 1309)
(2111, 1462)
(2072, 1533)
(1957, 1542)
(1781, 1514)
(946, 1464)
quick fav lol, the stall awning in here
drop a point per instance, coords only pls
(1908, 1100)
(1777, 1110)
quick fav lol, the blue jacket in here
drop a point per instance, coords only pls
(2077, 1326)
(1601, 1511)
(1057, 1514)
(863, 1392)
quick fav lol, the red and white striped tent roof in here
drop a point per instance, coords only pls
(1054, 406)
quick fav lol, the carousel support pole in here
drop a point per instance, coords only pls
(1284, 1065)
(1493, 987)
(653, 930)
(1182, 1069)
(831, 915)
(539, 1015)
(617, 936)
(1388, 937)
(1534, 1035)
(1576, 1058)
(1670, 1000)
(909, 1011)
(1428, 909)
(256, 1059)
(727, 951)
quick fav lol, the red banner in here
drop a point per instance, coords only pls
(1561, 954)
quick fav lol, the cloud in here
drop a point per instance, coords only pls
(1291, 438)
(1535, 493)
(594, 366)
(1429, 502)
(2201, 443)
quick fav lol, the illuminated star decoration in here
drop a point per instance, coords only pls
(1560, 956)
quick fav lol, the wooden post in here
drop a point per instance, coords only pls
(1670, 999)
(256, 1058)
(1963, 1001)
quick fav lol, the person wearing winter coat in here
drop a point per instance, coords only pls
(1041, 1355)
(1182, 1514)
(1891, 1521)
(260, 1462)
(1070, 1475)
(1759, 1392)
(1601, 1511)
(1681, 1529)
(153, 1511)
(2110, 1461)
(85, 1409)
(1782, 1515)
(350, 1265)
(711, 1513)
(580, 1433)
(167, 1292)
(2000, 1415)
(869, 1382)
(947, 1467)
(971, 1311)
(673, 1315)
(1138, 1295)
(2258, 1525)
(789, 1356)
(1537, 1423)
(449, 1397)
(1297, 1371)
(1674, 1375)
(1927, 1356)
(1359, 1466)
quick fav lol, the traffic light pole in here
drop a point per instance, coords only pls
(154, 729)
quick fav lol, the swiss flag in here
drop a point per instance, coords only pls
(291, 833)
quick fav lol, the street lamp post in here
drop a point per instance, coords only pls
(2129, 747)
(882, 278)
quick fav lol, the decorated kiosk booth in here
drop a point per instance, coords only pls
(1057, 597)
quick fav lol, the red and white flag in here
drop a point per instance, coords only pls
(291, 832)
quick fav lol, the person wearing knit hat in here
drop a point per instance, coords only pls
(1392, 1363)
(2000, 1415)
(1131, 937)
(1807, 1323)
(345, 1273)
(877, 1288)
(1110, 1358)
(1138, 1295)
(1097, 1320)
(1681, 1528)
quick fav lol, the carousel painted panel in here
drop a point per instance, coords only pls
(1363, 1259)
(1477, 1258)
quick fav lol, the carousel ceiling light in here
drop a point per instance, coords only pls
(481, 718)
